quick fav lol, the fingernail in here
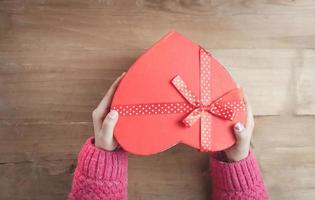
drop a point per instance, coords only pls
(113, 114)
(238, 127)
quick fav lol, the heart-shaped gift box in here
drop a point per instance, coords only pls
(177, 92)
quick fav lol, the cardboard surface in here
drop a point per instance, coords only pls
(148, 81)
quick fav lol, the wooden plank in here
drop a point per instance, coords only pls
(264, 74)
(41, 87)
(286, 151)
(22, 177)
(32, 142)
(305, 78)
(36, 180)
(133, 24)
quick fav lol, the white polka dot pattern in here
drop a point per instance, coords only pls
(227, 109)
(224, 107)
(205, 86)
(183, 89)
(205, 78)
(220, 108)
(153, 108)
(205, 128)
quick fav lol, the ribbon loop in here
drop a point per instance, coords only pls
(228, 105)
(192, 117)
(224, 107)
(183, 89)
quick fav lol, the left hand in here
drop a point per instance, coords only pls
(104, 122)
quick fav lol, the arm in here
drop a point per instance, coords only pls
(235, 172)
(100, 174)
(102, 168)
(238, 180)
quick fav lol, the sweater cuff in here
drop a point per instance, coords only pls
(239, 175)
(100, 164)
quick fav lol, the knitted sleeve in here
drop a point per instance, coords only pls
(237, 180)
(100, 174)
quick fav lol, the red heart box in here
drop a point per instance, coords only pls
(176, 92)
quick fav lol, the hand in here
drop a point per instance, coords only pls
(104, 122)
(243, 136)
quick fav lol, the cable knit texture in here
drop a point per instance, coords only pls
(240, 180)
(100, 174)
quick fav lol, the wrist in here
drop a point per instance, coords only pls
(113, 147)
(97, 163)
(236, 156)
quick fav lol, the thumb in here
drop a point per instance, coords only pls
(239, 131)
(109, 123)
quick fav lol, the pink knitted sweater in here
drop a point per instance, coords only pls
(103, 174)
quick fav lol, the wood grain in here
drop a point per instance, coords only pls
(286, 151)
(57, 91)
(58, 58)
(305, 87)
(284, 148)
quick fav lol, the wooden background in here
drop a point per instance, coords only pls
(58, 58)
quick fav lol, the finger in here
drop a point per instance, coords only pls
(109, 124)
(239, 131)
(101, 110)
(249, 114)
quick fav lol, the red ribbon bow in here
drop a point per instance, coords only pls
(224, 107)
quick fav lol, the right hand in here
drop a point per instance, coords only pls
(243, 135)
(104, 122)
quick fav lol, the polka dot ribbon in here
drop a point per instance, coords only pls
(224, 107)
